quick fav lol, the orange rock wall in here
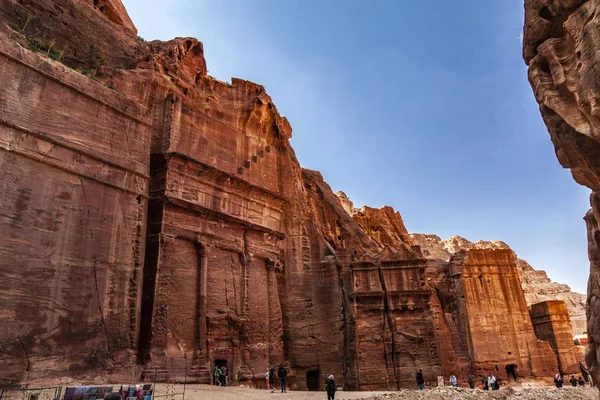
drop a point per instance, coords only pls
(394, 329)
(74, 181)
(500, 332)
(551, 323)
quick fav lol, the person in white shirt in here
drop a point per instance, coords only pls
(453, 381)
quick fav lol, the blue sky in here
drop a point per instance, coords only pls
(424, 106)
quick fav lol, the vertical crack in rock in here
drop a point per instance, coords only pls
(24, 352)
(390, 324)
(154, 223)
(104, 328)
(134, 291)
(95, 271)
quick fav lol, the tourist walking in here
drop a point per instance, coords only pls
(330, 387)
(272, 378)
(573, 381)
(224, 375)
(420, 380)
(581, 381)
(471, 382)
(453, 381)
(492, 382)
(558, 381)
(217, 375)
(282, 374)
(484, 383)
(267, 378)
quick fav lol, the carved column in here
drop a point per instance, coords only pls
(202, 321)
(275, 350)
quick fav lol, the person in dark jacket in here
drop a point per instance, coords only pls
(272, 379)
(330, 387)
(573, 381)
(420, 380)
(471, 382)
(282, 374)
(558, 380)
(581, 381)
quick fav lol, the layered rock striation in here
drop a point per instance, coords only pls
(559, 46)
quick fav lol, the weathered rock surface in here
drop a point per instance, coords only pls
(116, 12)
(535, 283)
(560, 47)
(551, 323)
(156, 223)
(488, 319)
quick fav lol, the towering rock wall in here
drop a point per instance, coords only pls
(559, 46)
(74, 181)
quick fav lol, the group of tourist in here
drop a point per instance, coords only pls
(493, 383)
(220, 375)
(281, 374)
(282, 377)
(489, 383)
(558, 381)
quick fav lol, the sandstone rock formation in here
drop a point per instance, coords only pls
(535, 283)
(559, 46)
(552, 323)
(156, 223)
(491, 310)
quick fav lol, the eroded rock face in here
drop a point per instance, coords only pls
(74, 156)
(535, 283)
(476, 274)
(116, 12)
(559, 46)
(551, 323)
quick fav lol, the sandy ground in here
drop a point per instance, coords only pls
(205, 392)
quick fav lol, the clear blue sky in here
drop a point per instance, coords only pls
(424, 106)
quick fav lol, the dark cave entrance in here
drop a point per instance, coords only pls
(511, 372)
(312, 380)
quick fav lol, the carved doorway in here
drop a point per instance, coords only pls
(511, 372)
(312, 381)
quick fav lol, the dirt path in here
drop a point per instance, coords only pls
(204, 392)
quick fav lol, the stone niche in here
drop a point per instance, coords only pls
(552, 323)
(501, 338)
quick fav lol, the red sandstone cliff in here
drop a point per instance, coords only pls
(535, 283)
(559, 47)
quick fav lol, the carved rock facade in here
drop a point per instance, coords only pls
(535, 283)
